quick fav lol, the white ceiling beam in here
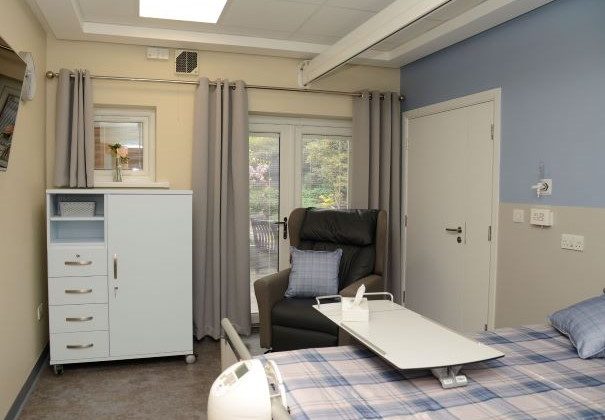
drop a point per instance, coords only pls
(472, 22)
(390, 20)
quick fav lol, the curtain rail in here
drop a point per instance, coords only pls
(52, 75)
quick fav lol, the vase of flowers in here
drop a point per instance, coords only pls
(120, 157)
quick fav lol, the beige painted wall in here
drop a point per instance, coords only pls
(22, 231)
(174, 103)
(535, 276)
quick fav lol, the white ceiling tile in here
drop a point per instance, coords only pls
(91, 10)
(367, 5)
(276, 15)
(334, 21)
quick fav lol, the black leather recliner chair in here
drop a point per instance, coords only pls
(291, 323)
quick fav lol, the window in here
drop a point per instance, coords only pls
(133, 128)
(325, 171)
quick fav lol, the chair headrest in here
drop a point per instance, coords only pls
(351, 227)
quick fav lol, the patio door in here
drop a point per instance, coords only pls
(294, 162)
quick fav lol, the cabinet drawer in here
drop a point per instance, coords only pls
(79, 345)
(77, 290)
(73, 318)
(63, 262)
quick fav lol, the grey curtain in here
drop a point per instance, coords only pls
(221, 259)
(74, 140)
(377, 165)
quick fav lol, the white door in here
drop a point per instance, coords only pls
(149, 245)
(449, 215)
(294, 162)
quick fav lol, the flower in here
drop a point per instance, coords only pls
(120, 152)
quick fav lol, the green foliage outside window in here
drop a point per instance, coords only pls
(325, 172)
(325, 168)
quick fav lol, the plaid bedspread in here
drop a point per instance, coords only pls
(541, 376)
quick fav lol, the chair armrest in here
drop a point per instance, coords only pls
(373, 282)
(269, 290)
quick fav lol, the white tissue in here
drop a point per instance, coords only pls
(359, 295)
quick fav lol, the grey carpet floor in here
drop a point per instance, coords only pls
(163, 388)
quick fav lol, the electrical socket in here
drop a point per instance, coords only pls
(41, 311)
(572, 242)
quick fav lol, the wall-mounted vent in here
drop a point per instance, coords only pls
(185, 62)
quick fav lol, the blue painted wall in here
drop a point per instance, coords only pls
(550, 64)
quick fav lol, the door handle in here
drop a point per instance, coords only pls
(285, 223)
(457, 230)
(115, 266)
(79, 319)
(79, 346)
(78, 262)
(78, 291)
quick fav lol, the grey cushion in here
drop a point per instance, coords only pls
(313, 273)
(356, 262)
(584, 324)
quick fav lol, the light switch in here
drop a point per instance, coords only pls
(541, 217)
(518, 215)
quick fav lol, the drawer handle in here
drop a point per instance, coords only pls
(79, 346)
(78, 262)
(79, 319)
(78, 291)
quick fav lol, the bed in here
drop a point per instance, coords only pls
(541, 376)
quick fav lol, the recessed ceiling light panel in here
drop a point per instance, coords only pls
(207, 11)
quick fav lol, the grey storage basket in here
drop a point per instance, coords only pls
(77, 208)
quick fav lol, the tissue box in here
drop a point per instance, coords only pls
(351, 312)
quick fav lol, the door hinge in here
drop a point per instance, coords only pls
(489, 233)
(484, 327)
(405, 220)
(492, 131)
(403, 297)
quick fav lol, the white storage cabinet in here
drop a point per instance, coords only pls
(119, 280)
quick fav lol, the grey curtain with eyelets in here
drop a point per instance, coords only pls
(74, 139)
(221, 254)
(377, 165)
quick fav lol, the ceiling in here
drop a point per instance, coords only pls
(313, 21)
(290, 28)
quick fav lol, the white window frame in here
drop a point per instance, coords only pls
(292, 131)
(145, 116)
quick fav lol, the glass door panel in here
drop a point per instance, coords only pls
(264, 180)
(325, 171)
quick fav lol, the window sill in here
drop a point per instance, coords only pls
(132, 184)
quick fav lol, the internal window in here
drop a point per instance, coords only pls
(133, 128)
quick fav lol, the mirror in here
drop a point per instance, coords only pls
(12, 73)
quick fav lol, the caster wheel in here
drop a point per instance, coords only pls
(58, 369)
(190, 359)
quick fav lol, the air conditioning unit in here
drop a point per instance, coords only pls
(185, 62)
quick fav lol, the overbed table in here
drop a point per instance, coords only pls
(408, 340)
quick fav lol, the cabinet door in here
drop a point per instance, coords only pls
(149, 274)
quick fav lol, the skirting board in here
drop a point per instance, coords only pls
(28, 386)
